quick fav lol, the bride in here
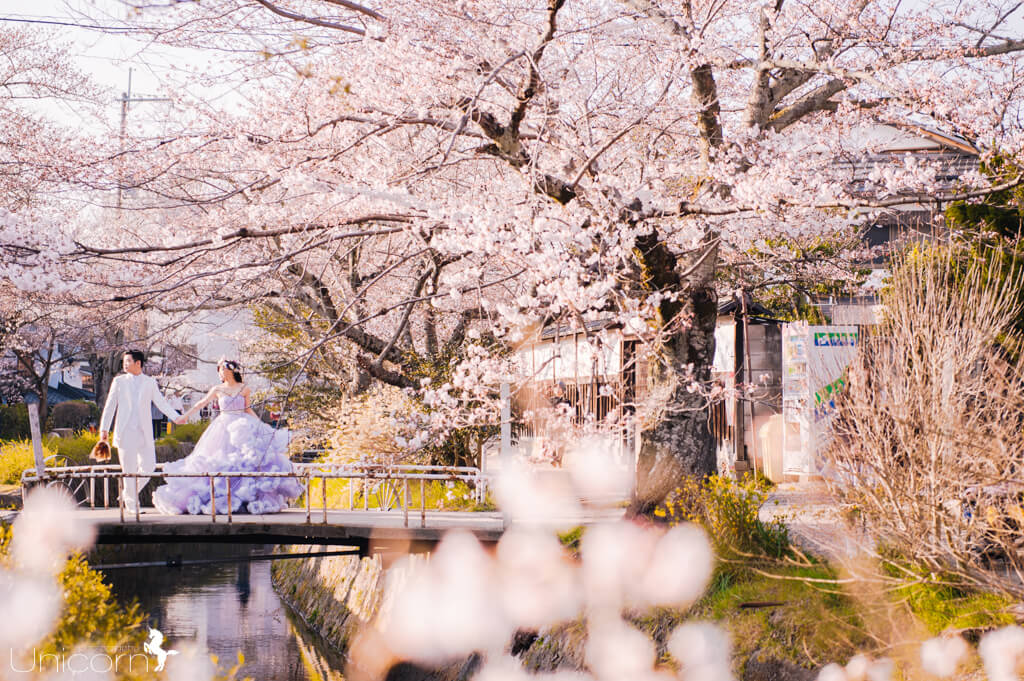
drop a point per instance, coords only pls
(237, 440)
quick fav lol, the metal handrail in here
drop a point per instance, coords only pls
(305, 472)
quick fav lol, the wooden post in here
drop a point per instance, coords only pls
(505, 452)
(748, 375)
(324, 494)
(37, 438)
(228, 480)
(423, 504)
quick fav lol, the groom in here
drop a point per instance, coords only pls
(131, 396)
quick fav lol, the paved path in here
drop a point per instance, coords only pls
(814, 519)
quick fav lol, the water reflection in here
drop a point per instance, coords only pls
(224, 608)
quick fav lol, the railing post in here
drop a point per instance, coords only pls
(106, 492)
(138, 502)
(365, 486)
(92, 491)
(324, 497)
(423, 503)
(213, 502)
(120, 496)
(309, 502)
(351, 492)
(228, 481)
(405, 500)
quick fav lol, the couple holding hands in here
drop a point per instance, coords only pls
(236, 441)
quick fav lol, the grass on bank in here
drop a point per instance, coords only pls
(786, 605)
(17, 455)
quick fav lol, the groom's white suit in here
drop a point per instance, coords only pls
(130, 397)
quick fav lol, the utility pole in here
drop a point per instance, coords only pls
(126, 101)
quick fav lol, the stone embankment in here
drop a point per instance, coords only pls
(334, 595)
(337, 596)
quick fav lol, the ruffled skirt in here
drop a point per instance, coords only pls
(234, 442)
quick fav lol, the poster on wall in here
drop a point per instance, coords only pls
(814, 362)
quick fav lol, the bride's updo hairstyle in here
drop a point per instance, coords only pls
(232, 366)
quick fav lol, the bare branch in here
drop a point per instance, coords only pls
(310, 20)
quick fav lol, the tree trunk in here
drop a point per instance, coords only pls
(680, 444)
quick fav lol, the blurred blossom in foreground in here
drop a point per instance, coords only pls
(47, 530)
(30, 607)
(666, 581)
(625, 564)
(832, 672)
(191, 664)
(446, 610)
(702, 650)
(595, 470)
(940, 656)
(1001, 651)
(539, 584)
(616, 650)
(859, 668)
(528, 498)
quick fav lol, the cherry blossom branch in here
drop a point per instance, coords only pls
(356, 7)
(534, 78)
(310, 20)
(246, 233)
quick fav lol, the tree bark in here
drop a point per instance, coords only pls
(680, 444)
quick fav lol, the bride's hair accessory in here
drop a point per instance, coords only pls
(232, 366)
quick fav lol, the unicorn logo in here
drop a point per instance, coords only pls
(154, 646)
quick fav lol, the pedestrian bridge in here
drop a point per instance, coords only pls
(392, 521)
(368, 531)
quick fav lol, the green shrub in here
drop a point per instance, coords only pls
(74, 449)
(941, 602)
(15, 457)
(190, 432)
(74, 414)
(14, 421)
(728, 511)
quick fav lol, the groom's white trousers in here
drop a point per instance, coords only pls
(138, 455)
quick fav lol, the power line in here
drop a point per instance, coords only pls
(55, 22)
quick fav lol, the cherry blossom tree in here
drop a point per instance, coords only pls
(43, 163)
(395, 178)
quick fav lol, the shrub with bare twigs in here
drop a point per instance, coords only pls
(928, 444)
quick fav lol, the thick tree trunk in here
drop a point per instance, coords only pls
(104, 367)
(680, 444)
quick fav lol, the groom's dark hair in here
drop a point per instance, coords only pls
(137, 356)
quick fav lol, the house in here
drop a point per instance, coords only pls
(186, 359)
(777, 422)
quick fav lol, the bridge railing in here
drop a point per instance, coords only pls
(381, 479)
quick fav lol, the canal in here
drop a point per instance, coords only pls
(223, 608)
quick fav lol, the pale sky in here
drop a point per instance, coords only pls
(108, 56)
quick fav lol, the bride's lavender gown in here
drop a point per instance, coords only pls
(235, 441)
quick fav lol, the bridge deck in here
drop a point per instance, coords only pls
(353, 528)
